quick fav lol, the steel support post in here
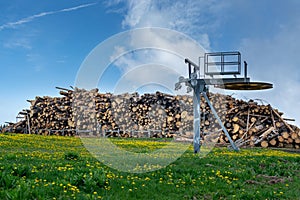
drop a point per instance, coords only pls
(28, 123)
(197, 116)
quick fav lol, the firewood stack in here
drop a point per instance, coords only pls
(89, 112)
(49, 115)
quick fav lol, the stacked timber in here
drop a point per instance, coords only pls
(89, 112)
(50, 115)
(250, 124)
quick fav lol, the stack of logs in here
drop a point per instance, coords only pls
(89, 112)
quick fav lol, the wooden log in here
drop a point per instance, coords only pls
(239, 121)
(273, 142)
(236, 128)
(289, 140)
(61, 88)
(286, 124)
(253, 119)
(294, 135)
(285, 135)
(264, 144)
(267, 132)
(278, 124)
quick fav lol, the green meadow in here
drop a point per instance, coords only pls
(52, 167)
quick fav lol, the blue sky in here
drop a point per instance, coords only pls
(43, 43)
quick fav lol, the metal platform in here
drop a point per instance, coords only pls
(245, 86)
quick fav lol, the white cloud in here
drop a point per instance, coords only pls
(18, 42)
(151, 75)
(118, 50)
(136, 12)
(36, 16)
(156, 67)
(193, 18)
(163, 48)
(77, 7)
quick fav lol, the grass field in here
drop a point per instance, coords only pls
(39, 167)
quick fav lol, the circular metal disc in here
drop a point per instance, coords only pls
(246, 86)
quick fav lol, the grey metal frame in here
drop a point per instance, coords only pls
(200, 89)
(198, 85)
(222, 63)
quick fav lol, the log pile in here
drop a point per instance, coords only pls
(80, 111)
(251, 124)
(126, 115)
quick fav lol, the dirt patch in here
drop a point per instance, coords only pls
(265, 179)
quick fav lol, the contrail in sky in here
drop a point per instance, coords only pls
(33, 17)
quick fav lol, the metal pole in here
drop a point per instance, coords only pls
(28, 123)
(197, 114)
(245, 70)
(220, 122)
